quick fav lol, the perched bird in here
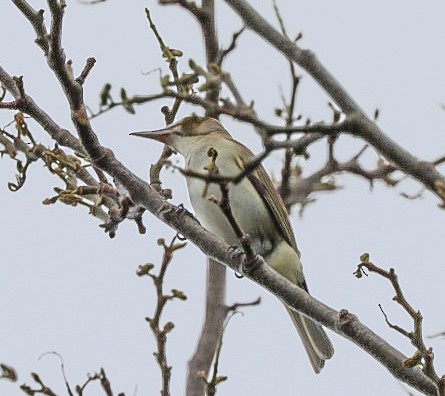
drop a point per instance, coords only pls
(255, 204)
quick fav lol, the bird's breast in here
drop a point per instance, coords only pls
(247, 206)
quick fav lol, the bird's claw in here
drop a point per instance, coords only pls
(236, 252)
(251, 262)
(182, 210)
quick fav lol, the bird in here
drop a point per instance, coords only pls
(255, 204)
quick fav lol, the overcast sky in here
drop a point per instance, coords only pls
(66, 287)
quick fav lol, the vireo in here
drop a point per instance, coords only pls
(256, 207)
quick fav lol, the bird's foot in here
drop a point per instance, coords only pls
(168, 212)
(236, 253)
(251, 262)
(181, 210)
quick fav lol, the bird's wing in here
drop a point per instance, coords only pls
(263, 184)
(274, 204)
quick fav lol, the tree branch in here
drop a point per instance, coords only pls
(215, 314)
(360, 124)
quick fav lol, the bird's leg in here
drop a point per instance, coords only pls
(236, 253)
(182, 210)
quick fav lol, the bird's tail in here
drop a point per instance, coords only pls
(316, 342)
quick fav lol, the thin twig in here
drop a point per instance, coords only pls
(423, 355)
(359, 124)
(160, 332)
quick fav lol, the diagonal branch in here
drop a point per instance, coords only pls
(28, 106)
(360, 124)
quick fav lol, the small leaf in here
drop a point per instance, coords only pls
(8, 373)
(179, 294)
(278, 112)
(126, 102)
(105, 94)
(175, 52)
(144, 269)
(169, 326)
(165, 81)
(221, 378)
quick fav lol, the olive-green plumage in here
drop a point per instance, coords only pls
(255, 204)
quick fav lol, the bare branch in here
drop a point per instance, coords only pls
(359, 122)
(28, 106)
(423, 356)
(224, 52)
(36, 20)
(62, 367)
(160, 332)
(103, 380)
(86, 70)
(215, 314)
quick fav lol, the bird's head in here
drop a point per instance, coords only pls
(186, 133)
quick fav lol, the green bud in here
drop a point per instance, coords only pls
(169, 326)
(179, 294)
(144, 269)
(176, 52)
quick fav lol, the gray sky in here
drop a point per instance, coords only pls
(66, 287)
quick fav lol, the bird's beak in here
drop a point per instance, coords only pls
(161, 135)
